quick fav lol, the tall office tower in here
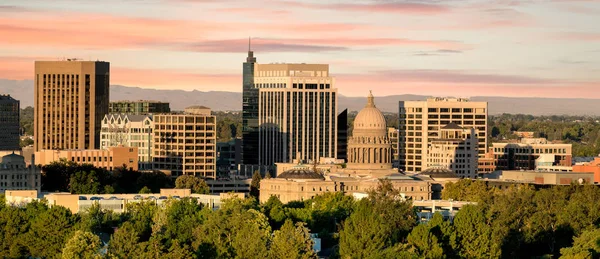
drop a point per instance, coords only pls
(71, 98)
(297, 113)
(420, 122)
(342, 135)
(9, 123)
(249, 113)
(186, 143)
(455, 149)
(130, 131)
(141, 107)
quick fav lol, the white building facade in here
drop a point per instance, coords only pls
(456, 150)
(130, 131)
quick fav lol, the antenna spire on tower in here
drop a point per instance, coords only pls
(249, 44)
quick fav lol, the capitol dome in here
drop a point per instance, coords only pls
(369, 147)
(301, 173)
(370, 120)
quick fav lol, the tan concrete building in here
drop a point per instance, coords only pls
(186, 143)
(420, 122)
(297, 112)
(542, 177)
(70, 99)
(369, 160)
(109, 159)
(124, 130)
(530, 153)
(454, 149)
(115, 202)
(9, 123)
(16, 175)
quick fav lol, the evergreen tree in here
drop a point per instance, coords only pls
(255, 185)
(292, 242)
(196, 184)
(84, 245)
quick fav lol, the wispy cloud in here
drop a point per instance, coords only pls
(397, 7)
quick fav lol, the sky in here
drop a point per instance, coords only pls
(462, 48)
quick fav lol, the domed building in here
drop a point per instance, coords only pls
(369, 159)
(369, 148)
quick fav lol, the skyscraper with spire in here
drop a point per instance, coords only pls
(249, 111)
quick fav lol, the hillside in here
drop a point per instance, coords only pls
(223, 101)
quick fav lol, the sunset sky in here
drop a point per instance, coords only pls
(540, 48)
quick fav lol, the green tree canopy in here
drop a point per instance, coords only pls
(83, 245)
(196, 184)
(292, 242)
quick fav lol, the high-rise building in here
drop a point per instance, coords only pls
(420, 122)
(249, 113)
(455, 149)
(130, 131)
(342, 135)
(186, 143)
(9, 123)
(297, 108)
(70, 100)
(141, 107)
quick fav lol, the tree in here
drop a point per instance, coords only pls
(196, 184)
(145, 190)
(426, 242)
(365, 233)
(84, 183)
(154, 180)
(255, 185)
(237, 230)
(49, 231)
(587, 245)
(124, 242)
(82, 245)
(476, 238)
(292, 242)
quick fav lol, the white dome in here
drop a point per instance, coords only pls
(369, 121)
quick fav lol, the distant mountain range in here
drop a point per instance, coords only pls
(232, 101)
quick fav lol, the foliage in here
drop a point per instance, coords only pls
(255, 185)
(83, 245)
(26, 120)
(196, 184)
(587, 245)
(145, 190)
(292, 242)
(68, 176)
(517, 222)
(24, 142)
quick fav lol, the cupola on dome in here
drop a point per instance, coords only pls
(370, 119)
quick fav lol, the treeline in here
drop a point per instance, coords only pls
(67, 176)
(519, 222)
(581, 131)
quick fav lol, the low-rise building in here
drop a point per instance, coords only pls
(109, 159)
(590, 167)
(393, 136)
(525, 153)
(15, 174)
(229, 156)
(542, 177)
(114, 202)
(124, 130)
(455, 149)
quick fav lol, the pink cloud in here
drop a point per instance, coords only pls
(579, 36)
(376, 7)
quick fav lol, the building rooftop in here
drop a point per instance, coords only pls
(300, 173)
(452, 126)
(439, 172)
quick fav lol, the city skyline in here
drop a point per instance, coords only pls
(457, 48)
